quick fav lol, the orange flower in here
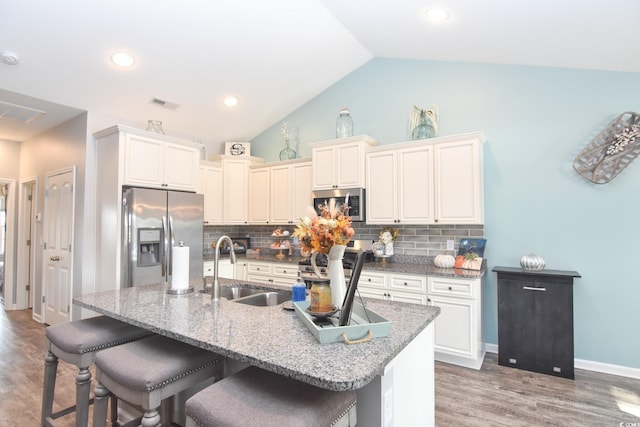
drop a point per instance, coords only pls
(331, 227)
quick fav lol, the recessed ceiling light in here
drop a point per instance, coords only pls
(9, 57)
(122, 59)
(437, 15)
(231, 101)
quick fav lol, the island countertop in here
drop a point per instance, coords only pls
(268, 337)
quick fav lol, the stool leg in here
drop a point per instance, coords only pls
(50, 370)
(151, 418)
(114, 411)
(83, 385)
(100, 403)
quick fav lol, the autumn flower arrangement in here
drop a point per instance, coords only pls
(331, 227)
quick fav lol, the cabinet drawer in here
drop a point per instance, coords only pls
(452, 287)
(286, 270)
(409, 283)
(259, 268)
(372, 280)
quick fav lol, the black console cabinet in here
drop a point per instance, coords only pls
(535, 320)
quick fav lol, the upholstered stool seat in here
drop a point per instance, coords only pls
(255, 397)
(148, 371)
(77, 343)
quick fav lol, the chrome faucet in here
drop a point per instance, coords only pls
(215, 291)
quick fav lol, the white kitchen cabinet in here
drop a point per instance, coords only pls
(236, 188)
(241, 270)
(152, 161)
(272, 273)
(409, 288)
(340, 163)
(400, 186)
(434, 181)
(458, 328)
(226, 269)
(280, 193)
(459, 182)
(259, 192)
(210, 186)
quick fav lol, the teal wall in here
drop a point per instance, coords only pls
(536, 121)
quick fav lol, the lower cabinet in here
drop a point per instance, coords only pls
(394, 287)
(458, 328)
(272, 273)
(226, 269)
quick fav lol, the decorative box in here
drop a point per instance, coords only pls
(364, 325)
(238, 149)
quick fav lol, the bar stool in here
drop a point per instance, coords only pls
(255, 397)
(148, 371)
(77, 343)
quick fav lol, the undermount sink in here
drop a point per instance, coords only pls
(235, 292)
(264, 299)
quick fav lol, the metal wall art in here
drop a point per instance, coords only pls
(612, 150)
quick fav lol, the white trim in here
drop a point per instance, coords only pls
(24, 254)
(10, 245)
(589, 365)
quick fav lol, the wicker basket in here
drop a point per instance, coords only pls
(611, 150)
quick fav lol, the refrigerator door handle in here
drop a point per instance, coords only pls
(166, 251)
(173, 243)
(126, 244)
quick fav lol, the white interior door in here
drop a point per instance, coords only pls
(57, 249)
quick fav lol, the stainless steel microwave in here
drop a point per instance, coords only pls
(353, 197)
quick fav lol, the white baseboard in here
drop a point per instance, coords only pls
(588, 365)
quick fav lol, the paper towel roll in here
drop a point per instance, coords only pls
(180, 277)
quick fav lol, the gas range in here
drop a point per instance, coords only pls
(348, 261)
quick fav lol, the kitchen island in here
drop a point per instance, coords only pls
(393, 376)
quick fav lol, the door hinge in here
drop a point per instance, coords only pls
(69, 248)
(43, 299)
(29, 197)
(67, 309)
(27, 288)
(28, 242)
(44, 245)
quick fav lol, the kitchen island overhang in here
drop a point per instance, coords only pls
(392, 374)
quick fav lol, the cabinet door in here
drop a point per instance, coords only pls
(259, 189)
(144, 162)
(280, 201)
(349, 160)
(382, 192)
(415, 186)
(180, 167)
(212, 190)
(236, 191)
(301, 187)
(323, 168)
(241, 270)
(458, 183)
(408, 297)
(454, 327)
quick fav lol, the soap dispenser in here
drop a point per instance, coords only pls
(299, 290)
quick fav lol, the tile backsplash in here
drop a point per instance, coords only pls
(413, 240)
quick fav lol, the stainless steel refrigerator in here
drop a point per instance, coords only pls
(153, 222)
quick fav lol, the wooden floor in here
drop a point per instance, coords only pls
(492, 396)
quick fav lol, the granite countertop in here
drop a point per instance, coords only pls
(419, 265)
(268, 337)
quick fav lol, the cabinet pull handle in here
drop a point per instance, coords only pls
(406, 284)
(450, 288)
(531, 288)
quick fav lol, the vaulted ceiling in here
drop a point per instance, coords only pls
(273, 56)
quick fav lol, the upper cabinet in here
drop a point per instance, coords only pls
(210, 185)
(157, 162)
(432, 181)
(280, 193)
(340, 163)
(235, 189)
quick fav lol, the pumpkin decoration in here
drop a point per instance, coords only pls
(444, 261)
(532, 262)
(459, 261)
(472, 261)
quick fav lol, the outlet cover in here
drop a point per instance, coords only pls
(450, 244)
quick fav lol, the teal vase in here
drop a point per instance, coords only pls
(424, 129)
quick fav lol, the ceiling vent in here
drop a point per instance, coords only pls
(165, 104)
(20, 113)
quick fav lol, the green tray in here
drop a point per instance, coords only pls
(360, 328)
